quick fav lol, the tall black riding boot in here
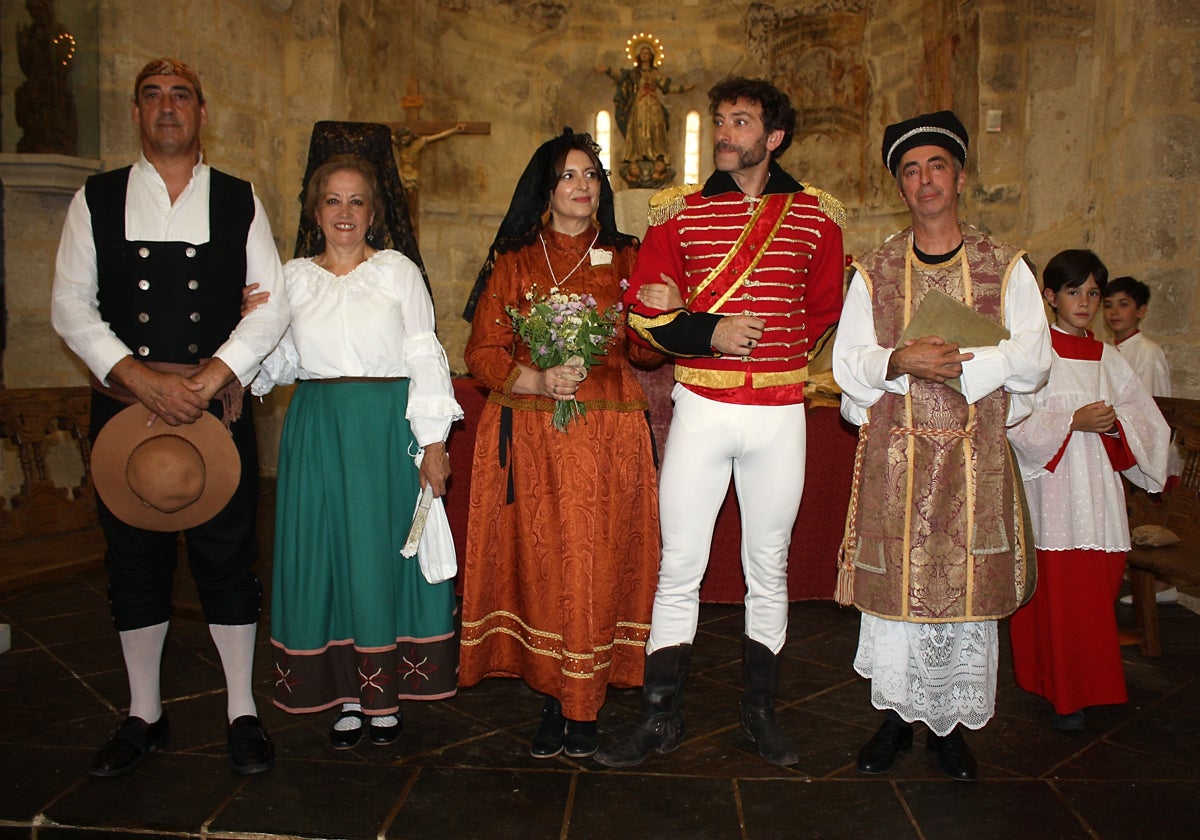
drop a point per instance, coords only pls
(661, 726)
(760, 675)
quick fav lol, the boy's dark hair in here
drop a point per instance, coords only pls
(1136, 289)
(777, 109)
(1072, 268)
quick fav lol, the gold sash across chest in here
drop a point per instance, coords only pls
(763, 225)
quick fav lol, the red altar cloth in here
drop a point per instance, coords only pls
(812, 561)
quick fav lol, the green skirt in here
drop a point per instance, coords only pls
(352, 621)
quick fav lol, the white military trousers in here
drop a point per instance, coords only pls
(763, 448)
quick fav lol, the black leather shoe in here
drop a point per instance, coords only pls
(251, 749)
(580, 740)
(1074, 722)
(129, 745)
(381, 736)
(346, 739)
(878, 755)
(548, 740)
(953, 755)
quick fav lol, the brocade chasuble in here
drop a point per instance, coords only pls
(937, 530)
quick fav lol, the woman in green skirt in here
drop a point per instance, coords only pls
(355, 625)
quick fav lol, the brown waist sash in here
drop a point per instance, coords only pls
(230, 395)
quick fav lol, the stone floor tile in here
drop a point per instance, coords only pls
(315, 799)
(168, 792)
(493, 805)
(1135, 809)
(1030, 749)
(1106, 761)
(34, 777)
(783, 810)
(993, 810)
(849, 701)
(652, 807)
(1177, 738)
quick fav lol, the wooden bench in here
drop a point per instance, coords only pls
(1177, 510)
(49, 527)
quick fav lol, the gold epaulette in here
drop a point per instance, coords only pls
(829, 205)
(667, 204)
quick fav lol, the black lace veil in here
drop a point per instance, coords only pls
(373, 143)
(526, 211)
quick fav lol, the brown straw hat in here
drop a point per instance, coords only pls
(161, 477)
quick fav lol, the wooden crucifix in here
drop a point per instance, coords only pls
(414, 134)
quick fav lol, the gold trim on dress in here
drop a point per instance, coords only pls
(543, 643)
(546, 404)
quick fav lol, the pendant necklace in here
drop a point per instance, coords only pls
(545, 252)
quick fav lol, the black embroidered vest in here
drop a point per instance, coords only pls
(171, 301)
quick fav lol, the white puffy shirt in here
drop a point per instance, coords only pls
(376, 321)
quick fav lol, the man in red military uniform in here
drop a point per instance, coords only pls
(757, 259)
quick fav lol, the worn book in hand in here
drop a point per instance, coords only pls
(954, 321)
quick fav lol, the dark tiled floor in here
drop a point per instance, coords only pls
(461, 770)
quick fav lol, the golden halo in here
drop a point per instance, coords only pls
(644, 39)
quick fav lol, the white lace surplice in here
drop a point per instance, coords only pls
(1081, 504)
(940, 674)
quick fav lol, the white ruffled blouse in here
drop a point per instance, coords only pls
(376, 321)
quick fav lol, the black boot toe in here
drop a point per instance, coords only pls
(548, 740)
(580, 740)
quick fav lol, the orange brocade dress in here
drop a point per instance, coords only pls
(563, 540)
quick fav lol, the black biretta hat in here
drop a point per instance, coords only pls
(940, 129)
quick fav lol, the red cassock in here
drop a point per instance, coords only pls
(1064, 639)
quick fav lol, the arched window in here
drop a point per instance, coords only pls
(691, 148)
(603, 137)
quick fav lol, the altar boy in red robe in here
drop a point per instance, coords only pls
(1093, 422)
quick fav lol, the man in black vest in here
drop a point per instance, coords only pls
(147, 292)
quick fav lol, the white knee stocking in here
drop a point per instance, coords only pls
(142, 649)
(235, 644)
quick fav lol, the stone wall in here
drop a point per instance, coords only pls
(1143, 169)
(1097, 103)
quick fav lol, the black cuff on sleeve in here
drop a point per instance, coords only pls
(688, 334)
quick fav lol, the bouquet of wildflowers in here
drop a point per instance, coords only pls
(564, 329)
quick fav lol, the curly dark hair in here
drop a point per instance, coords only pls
(778, 113)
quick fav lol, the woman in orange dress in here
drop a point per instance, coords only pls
(562, 540)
